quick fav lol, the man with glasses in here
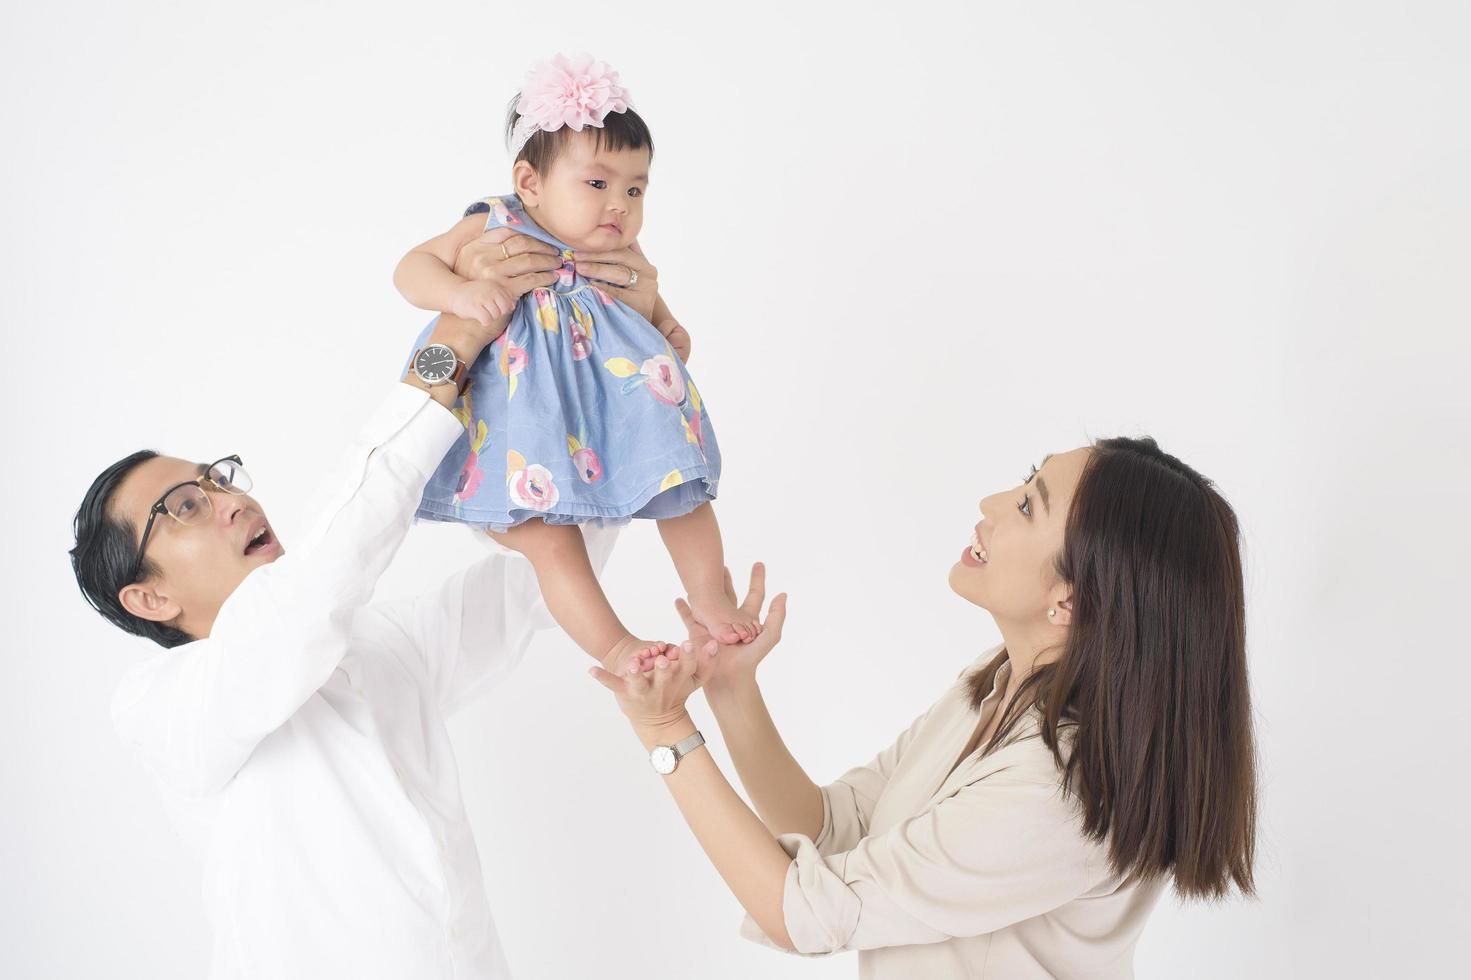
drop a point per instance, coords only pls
(297, 728)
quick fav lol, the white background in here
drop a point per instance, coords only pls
(918, 248)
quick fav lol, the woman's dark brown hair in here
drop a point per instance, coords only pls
(1146, 707)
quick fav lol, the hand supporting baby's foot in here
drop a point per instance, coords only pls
(726, 621)
(631, 655)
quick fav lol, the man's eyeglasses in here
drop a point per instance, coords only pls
(188, 502)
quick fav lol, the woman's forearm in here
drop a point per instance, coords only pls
(788, 801)
(743, 851)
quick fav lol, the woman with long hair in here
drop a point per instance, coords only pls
(1026, 824)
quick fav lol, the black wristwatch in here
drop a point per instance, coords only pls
(436, 364)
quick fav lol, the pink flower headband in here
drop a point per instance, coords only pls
(562, 92)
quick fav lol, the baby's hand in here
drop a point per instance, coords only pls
(481, 301)
(678, 337)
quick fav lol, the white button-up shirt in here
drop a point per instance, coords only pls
(302, 746)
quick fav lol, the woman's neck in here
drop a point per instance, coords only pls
(1025, 652)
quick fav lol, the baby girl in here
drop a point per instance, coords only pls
(583, 397)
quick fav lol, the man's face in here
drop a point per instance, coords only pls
(199, 565)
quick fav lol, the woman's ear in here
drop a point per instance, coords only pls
(527, 183)
(1060, 612)
(146, 602)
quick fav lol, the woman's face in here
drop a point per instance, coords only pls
(1009, 566)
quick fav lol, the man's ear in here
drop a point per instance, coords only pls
(527, 183)
(146, 602)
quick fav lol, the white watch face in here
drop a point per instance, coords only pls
(434, 364)
(663, 759)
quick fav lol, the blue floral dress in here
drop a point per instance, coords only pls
(586, 406)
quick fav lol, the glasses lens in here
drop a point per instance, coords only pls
(230, 476)
(187, 504)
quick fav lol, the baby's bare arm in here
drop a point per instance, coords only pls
(425, 276)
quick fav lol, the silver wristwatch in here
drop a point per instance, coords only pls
(665, 758)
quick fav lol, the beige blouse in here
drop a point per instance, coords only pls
(981, 873)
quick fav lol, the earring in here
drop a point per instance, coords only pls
(1051, 613)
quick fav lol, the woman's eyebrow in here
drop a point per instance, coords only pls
(1042, 485)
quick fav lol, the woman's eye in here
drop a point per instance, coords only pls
(601, 185)
(1029, 476)
(1026, 505)
(635, 192)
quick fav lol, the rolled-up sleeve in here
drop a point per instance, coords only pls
(848, 802)
(1005, 848)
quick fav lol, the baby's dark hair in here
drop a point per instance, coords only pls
(620, 131)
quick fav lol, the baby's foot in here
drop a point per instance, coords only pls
(725, 620)
(631, 655)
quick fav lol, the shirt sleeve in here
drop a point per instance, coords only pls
(198, 711)
(1005, 848)
(473, 630)
(848, 803)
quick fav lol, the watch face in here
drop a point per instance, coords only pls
(434, 363)
(663, 759)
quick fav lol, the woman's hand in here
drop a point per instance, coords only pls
(654, 699)
(633, 279)
(737, 663)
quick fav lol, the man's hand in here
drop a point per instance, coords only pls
(467, 338)
(633, 279)
(516, 263)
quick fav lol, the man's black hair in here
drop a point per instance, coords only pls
(105, 552)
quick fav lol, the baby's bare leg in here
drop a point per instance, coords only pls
(571, 591)
(694, 543)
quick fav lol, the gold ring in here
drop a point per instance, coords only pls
(504, 251)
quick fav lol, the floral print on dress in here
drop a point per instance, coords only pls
(500, 213)
(529, 485)
(659, 374)
(546, 309)
(562, 385)
(585, 460)
(581, 328)
(512, 362)
(470, 474)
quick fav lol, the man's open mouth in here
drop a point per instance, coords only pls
(260, 540)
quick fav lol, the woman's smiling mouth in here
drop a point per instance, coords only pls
(975, 553)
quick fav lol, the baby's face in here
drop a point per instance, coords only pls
(592, 198)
